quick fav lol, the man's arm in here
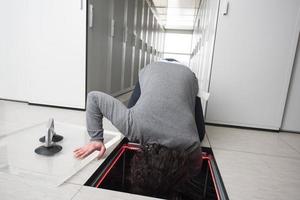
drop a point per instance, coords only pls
(101, 105)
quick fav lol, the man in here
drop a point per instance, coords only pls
(198, 107)
(163, 113)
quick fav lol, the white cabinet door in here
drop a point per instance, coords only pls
(13, 49)
(252, 62)
(292, 108)
(208, 13)
(118, 48)
(58, 54)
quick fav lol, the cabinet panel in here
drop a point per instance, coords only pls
(129, 44)
(154, 38)
(150, 28)
(118, 57)
(251, 67)
(142, 57)
(99, 48)
(144, 33)
(14, 49)
(145, 21)
(57, 68)
(203, 44)
(159, 40)
(292, 108)
(138, 28)
(149, 36)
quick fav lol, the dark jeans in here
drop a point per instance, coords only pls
(198, 110)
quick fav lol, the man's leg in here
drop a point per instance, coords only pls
(199, 119)
(100, 104)
(135, 95)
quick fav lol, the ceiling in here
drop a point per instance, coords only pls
(176, 14)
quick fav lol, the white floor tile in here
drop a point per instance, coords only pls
(83, 175)
(95, 193)
(7, 106)
(246, 140)
(7, 128)
(33, 188)
(20, 155)
(293, 139)
(205, 142)
(252, 176)
(16, 113)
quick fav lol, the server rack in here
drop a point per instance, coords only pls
(104, 50)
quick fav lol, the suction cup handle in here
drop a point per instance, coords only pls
(48, 138)
(49, 132)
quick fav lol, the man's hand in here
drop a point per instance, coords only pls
(89, 148)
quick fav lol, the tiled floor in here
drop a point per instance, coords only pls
(28, 188)
(94, 194)
(254, 164)
(15, 116)
(257, 164)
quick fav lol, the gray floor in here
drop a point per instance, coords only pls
(257, 164)
(253, 164)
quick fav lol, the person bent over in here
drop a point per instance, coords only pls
(162, 120)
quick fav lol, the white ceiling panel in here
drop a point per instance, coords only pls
(181, 3)
(181, 11)
(176, 14)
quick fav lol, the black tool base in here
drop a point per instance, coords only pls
(56, 138)
(48, 151)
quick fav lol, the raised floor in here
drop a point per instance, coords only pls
(253, 164)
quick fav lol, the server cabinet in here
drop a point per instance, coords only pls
(145, 34)
(99, 45)
(48, 59)
(252, 62)
(129, 54)
(40, 47)
(118, 47)
(149, 37)
(158, 41)
(57, 53)
(154, 38)
(203, 44)
(162, 41)
(292, 108)
(15, 39)
(138, 41)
